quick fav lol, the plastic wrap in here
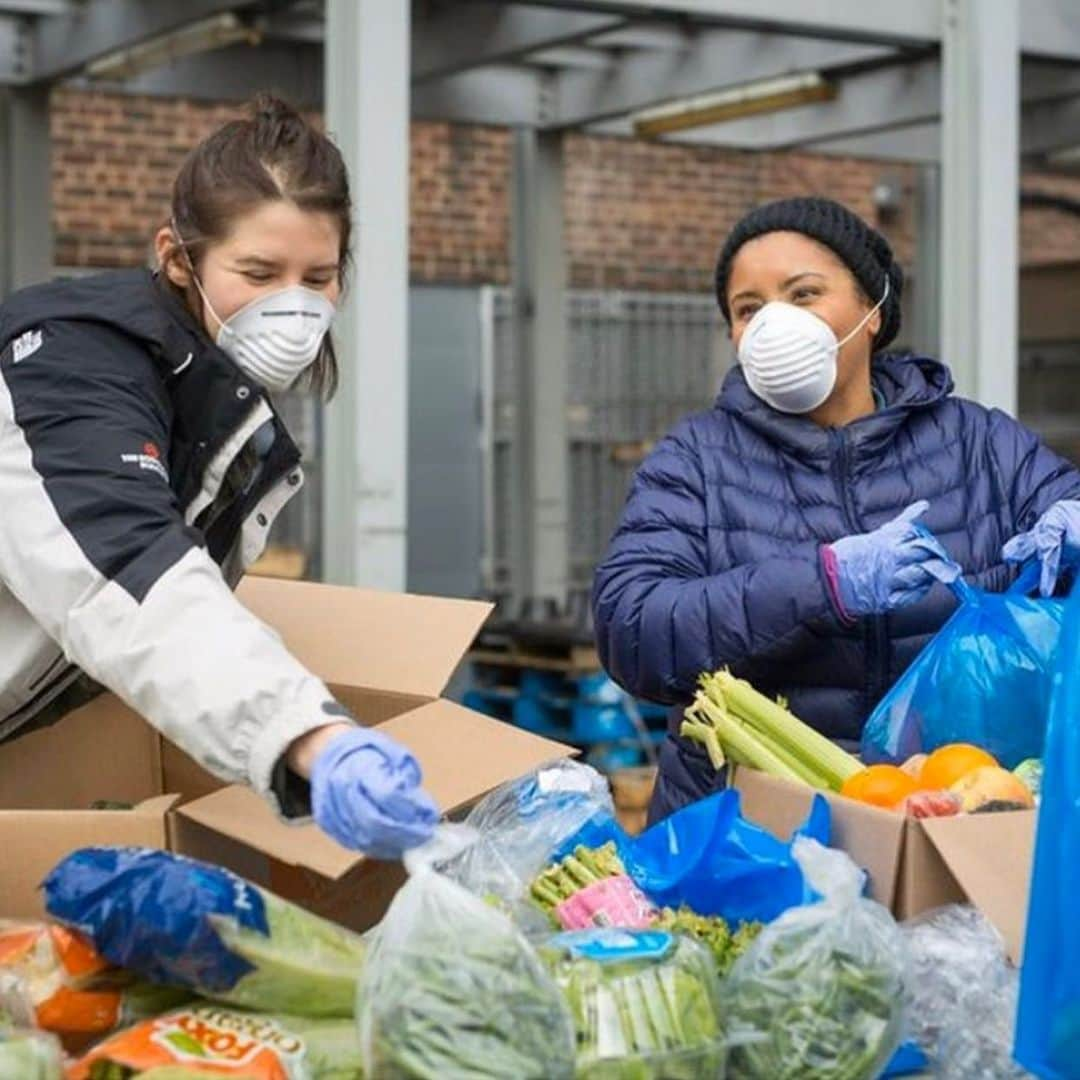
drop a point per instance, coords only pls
(29, 1055)
(984, 678)
(204, 1039)
(179, 922)
(52, 979)
(819, 994)
(452, 988)
(520, 825)
(962, 994)
(645, 1004)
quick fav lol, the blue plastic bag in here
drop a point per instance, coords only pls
(707, 855)
(984, 678)
(1048, 1028)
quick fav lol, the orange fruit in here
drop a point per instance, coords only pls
(880, 785)
(950, 763)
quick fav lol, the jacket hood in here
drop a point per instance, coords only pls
(131, 301)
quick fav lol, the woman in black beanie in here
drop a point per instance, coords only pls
(777, 533)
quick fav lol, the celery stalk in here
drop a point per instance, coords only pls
(784, 729)
(742, 741)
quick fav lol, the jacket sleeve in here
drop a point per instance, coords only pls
(94, 545)
(660, 617)
(1033, 476)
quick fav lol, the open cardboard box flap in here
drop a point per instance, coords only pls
(484, 752)
(872, 837)
(392, 643)
(990, 856)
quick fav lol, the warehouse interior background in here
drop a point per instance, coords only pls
(541, 189)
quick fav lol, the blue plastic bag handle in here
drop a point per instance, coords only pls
(958, 586)
(1027, 581)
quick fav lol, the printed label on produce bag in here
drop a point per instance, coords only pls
(613, 901)
(216, 1040)
(616, 946)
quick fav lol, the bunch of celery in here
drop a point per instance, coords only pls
(736, 723)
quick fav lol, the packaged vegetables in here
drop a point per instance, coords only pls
(178, 922)
(29, 1055)
(644, 1003)
(819, 994)
(53, 980)
(452, 988)
(590, 887)
(205, 1039)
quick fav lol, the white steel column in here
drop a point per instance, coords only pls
(365, 443)
(25, 188)
(541, 502)
(980, 197)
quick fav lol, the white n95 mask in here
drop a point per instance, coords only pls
(788, 355)
(276, 337)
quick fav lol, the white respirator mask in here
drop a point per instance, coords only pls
(788, 355)
(276, 337)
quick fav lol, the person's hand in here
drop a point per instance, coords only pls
(1055, 534)
(889, 568)
(366, 794)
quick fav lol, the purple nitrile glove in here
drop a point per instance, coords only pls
(1055, 534)
(889, 568)
(366, 794)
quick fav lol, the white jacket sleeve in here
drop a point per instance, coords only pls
(93, 544)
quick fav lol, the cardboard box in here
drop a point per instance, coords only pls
(916, 865)
(388, 657)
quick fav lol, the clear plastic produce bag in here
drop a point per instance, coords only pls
(29, 1055)
(819, 995)
(645, 1004)
(520, 825)
(452, 988)
(962, 994)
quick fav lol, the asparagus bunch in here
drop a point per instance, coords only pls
(582, 868)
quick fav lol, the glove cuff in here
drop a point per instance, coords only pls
(830, 573)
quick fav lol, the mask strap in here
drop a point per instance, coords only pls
(866, 318)
(194, 276)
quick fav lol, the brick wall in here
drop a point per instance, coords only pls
(639, 215)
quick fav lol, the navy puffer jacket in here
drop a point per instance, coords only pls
(717, 558)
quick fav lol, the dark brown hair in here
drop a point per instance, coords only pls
(273, 153)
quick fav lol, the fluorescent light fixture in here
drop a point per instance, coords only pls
(203, 36)
(733, 103)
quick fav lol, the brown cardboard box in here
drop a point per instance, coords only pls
(386, 656)
(916, 865)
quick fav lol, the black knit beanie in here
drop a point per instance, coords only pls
(864, 251)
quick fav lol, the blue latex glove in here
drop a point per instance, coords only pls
(891, 567)
(1055, 534)
(366, 794)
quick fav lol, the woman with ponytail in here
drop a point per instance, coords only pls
(142, 463)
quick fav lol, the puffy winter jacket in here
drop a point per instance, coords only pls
(716, 560)
(140, 470)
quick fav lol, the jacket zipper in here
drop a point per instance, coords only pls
(875, 634)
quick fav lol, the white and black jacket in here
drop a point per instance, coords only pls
(131, 499)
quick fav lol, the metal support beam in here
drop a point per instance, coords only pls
(707, 60)
(63, 45)
(980, 198)
(365, 445)
(471, 34)
(25, 189)
(541, 542)
(883, 102)
(925, 336)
